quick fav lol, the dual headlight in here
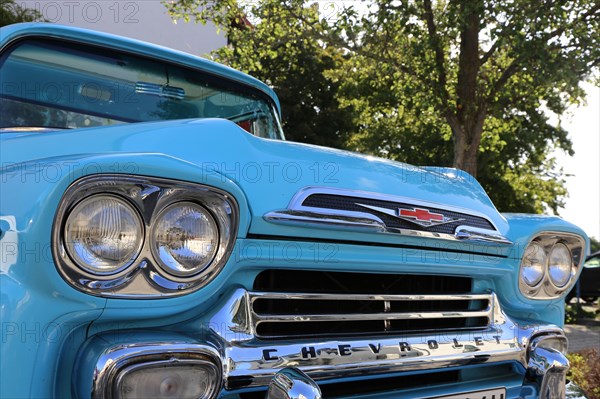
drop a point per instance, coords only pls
(104, 234)
(115, 231)
(550, 264)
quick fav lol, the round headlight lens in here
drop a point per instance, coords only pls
(559, 265)
(533, 264)
(185, 239)
(103, 234)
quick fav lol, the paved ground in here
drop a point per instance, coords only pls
(586, 333)
(583, 336)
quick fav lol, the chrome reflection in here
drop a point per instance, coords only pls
(226, 338)
(291, 383)
(546, 289)
(384, 301)
(300, 215)
(117, 361)
(496, 393)
(143, 277)
(548, 364)
(251, 361)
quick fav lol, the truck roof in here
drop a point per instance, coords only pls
(49, 30)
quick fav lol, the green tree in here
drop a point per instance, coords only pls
(12, 13)
(469, 84)
(594, 245)
(477, 59)
(466, 83)
(279, 43)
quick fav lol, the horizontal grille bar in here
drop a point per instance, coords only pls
(364, 297)
(286, 315)
(373, 316)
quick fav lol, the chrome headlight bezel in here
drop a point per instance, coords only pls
(149, 196)
(546, 288)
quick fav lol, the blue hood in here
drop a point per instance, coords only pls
(268, 172)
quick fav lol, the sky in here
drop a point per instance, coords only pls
(583, 205)
(146, 20)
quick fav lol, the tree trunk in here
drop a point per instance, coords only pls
(466, 143)
(467, 125)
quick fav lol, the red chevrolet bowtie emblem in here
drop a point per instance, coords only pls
(418, 216)
(422, 215)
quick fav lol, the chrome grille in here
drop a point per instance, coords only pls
(348, 203)
(363, 304)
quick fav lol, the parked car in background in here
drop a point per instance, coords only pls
(589, 280)
(161, 239)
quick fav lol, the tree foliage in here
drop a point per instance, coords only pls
(594, 245)
(477, 79)
(282, 48)
(11, 13)
(466, 83)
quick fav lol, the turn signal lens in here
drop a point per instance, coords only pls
(559, 265)
(103, 234)
(533, 264)
(168, 380)
(185, 239)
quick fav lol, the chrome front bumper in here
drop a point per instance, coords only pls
(292, 369)
(547, 365)
(292, 383)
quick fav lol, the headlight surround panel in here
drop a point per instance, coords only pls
(144, 277)
(552, 242)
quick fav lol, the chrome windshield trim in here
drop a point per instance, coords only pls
(31, 129)
(300, 215)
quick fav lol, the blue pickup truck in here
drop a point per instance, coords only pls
(161, 239)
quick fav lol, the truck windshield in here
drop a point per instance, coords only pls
(51, 84)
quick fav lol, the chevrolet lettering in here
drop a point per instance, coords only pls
(160, 239)
(403, 347)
